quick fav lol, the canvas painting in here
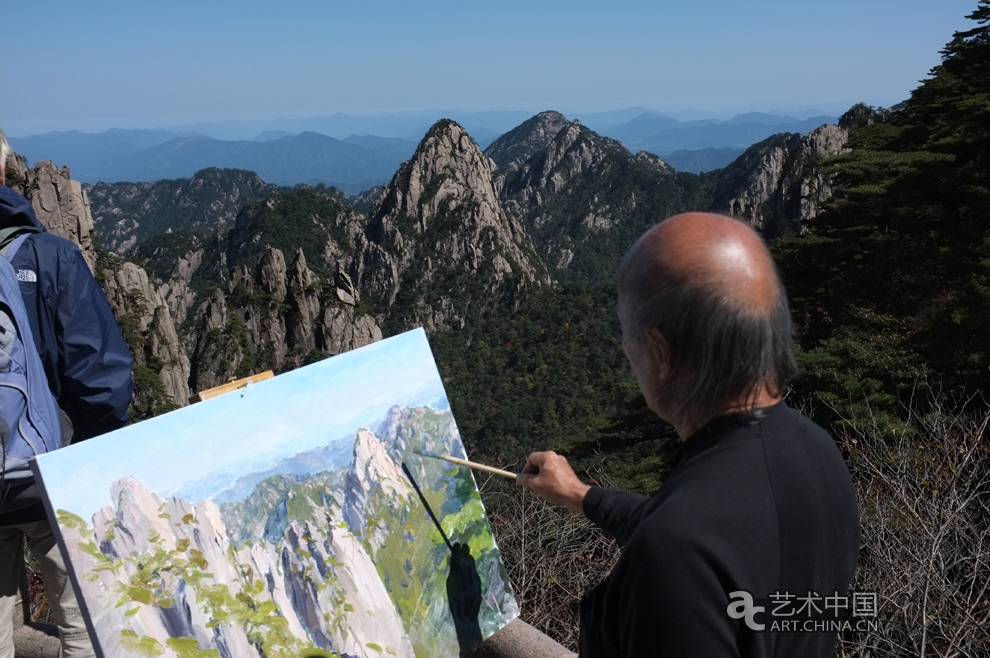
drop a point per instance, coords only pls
(283, 520)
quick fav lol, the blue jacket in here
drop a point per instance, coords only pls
(85, 357)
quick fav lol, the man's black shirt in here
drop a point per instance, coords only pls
(761, 503)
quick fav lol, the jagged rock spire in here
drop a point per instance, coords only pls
(439, 218)
(535, 135)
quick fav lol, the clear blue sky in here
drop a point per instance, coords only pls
(94, 65)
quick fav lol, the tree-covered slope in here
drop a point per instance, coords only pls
(893, 280)
(582, 197)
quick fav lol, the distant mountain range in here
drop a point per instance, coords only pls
(660, 134)
(698, 161)
(233, 274)
(353, 164)
(226, 488)
(355, 153)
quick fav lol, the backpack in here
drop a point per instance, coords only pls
(29, 420)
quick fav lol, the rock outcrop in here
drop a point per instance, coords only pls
(276, 317)
(582, 197)
(777, 184)
(60, 203)
(206, 203)
(137, 302)
(438, 242)
(177, 291)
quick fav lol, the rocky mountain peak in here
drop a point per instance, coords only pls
(447, 169)
(374, 469)
(373, 478)
(569, 186)
(518, 145)
(780, 182)
(440, 218)
(60, 203)
(547, 153)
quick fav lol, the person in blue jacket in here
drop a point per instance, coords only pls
(86, 359)
(88, 366)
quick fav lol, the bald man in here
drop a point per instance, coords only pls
(758, 522)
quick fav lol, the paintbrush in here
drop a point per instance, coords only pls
(463, 462)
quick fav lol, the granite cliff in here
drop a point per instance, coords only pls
(439, 244)
(778, 184)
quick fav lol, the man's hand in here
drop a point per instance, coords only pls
(550, 476)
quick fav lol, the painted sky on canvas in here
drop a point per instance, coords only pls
(95, 65)
(232, 433)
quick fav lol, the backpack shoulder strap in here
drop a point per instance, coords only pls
(11, 238)
(9, 250)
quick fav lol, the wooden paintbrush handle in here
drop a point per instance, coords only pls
(480, 467)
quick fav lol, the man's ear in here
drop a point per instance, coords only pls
(663, 355)
(3, 173)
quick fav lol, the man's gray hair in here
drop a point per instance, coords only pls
(5, 152)
(723, 352)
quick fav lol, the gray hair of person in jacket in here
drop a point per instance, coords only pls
(5, 152)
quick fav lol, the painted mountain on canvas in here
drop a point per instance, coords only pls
(331, 551)
(346, 560)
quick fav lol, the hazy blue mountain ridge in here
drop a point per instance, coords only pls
(87, 154)
(358, 152)
(729, 134)
(228, 488)
(409, 125)
(352, 165)
(699, 161)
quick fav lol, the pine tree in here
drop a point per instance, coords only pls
(893, 281)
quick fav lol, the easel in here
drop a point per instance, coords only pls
(230, 386)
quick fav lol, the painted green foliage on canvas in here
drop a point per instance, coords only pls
(329, 551)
